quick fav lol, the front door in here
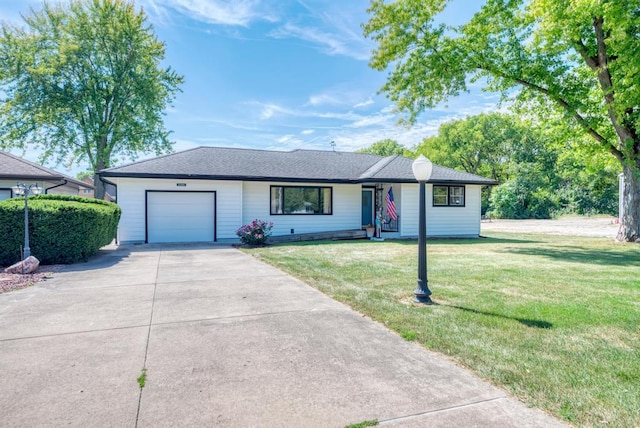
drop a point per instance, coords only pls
(367, 207)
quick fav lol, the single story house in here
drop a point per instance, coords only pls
(205, 194)
(14, 169)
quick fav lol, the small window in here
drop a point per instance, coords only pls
(448, 196)
(303, 200)
(440, 195)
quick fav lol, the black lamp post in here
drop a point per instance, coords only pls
(24, 190)
(422, 168)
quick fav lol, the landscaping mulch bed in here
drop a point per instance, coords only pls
(9, 282)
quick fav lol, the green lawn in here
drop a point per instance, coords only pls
(555, 320)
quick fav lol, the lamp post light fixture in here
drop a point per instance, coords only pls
(422, 168)
(24, 190)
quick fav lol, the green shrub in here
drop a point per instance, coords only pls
(62, 228)
(255, 233)
(518, 199)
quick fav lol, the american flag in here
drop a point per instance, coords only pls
(391, 205)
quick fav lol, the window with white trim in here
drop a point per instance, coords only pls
(448, 196)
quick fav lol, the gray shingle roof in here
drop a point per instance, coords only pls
(298, 165)
(15, 168)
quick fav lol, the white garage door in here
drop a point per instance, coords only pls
(180, 216)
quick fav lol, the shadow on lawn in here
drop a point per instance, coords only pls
(523, 321)
(581, 255)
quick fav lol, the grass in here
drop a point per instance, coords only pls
(363, 424)
(555, 320)
(142, 379)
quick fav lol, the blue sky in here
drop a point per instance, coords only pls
(279, 75)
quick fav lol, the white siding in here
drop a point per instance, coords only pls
(62, 190)
(346, 215)
(131, 198)
(441, 221)
(409, 210)
(239, 203)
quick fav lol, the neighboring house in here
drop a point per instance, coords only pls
(206, 194)
(109, 190)
(87, 192)
(14, 169)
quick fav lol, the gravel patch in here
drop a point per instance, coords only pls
(9, 282)
(606, 227)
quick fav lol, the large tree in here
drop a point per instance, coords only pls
(83, 82)
(386, 147)
(486, 144)
(578, 57)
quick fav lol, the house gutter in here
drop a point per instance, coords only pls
(46, 191)
(115, 186)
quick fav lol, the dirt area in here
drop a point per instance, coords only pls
(572, 226)
(10, 282)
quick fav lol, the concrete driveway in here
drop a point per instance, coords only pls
(226, 341)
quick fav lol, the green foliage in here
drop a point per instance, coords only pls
(142, 379)
(522, 197)
(363, 424)
(577, 60)
(62, 228)
(483, 144)
(385, 147)
(84, 174)
(83, 82)
(544, 170)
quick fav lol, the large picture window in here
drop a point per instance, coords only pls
(303, 200)
(448, 196)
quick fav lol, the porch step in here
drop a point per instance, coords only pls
(317, 236)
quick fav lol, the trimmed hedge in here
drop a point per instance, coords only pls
(62, 228)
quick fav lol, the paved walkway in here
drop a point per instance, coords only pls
(226, 341)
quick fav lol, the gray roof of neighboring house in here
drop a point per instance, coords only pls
(295, 166)
(15, 168)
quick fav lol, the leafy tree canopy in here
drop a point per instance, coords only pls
(575, 57)
(83, 81)
(386, 147)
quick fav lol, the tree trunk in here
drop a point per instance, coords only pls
(99, 185)
(629, 230)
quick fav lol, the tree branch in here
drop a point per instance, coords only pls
(565, 105)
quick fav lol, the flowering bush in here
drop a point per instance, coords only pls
(255, 233)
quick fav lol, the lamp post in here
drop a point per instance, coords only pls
(24, 190)
(422, 168)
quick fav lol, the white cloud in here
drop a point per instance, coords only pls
(372, 120)
(285, 138)
(220, 12)
(330, 43)
(316, 100)
(364, 103)
(307, 131)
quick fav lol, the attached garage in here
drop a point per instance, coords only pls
(180, 216)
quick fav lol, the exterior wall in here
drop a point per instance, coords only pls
(131, 198)
(346, 209)
(62, 190)
(441, 221)
(239, 203)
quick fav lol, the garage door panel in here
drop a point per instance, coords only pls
(180, 216)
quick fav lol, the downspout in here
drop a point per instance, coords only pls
(46, 191)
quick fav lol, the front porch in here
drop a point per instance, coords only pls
(381, 209)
